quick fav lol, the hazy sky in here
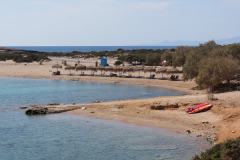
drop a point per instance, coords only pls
(115, 22)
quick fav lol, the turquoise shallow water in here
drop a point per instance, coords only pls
(22, 92)
(66, 136)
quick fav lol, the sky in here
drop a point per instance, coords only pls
(115, 22)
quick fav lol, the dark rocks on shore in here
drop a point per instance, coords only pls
(54, 104)
(96, 102)
(188, 131)
(23, 107)
(205, 122)
(36, 111)
(163, 107)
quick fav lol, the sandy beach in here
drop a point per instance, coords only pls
(221, 122)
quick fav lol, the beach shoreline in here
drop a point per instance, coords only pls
(138, 111)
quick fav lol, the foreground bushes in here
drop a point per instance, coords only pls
(228, 150)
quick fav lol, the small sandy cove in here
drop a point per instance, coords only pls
(219, 123)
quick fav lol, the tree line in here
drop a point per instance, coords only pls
(209, 64)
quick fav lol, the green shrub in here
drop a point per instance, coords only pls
(229, 149)
(30, 58)
(153, 59)
(117, 63)
(213, 71)
(89, 56)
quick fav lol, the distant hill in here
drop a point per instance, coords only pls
(194, 43)
(229, 41)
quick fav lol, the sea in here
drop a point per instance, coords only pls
(65, 49)
(66, 136)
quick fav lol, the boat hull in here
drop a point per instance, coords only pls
(197, 106)
(208, 106)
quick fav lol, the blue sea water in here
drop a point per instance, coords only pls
(66, 136)
(65, 49)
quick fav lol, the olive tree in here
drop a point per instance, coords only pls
(234, 50)
(167, 56)
(191, 66)
(213, 71)
(153, 58)
(179, 57)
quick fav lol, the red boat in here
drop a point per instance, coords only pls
(197, 106)
(208, 106)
